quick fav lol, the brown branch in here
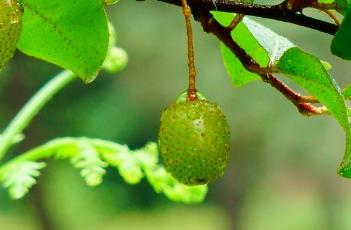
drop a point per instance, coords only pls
(324, 6)
(283, 12)
(303, 103)
(237, 19)
(279, 12)
(210, 25)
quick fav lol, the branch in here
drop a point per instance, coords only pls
(201, 11)
(278, 12)
(303, 103)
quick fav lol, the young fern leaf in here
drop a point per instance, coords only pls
(19, 178)
(88, 160)
(92, 156)
(126, 164)
(133, 165)
(163, 182)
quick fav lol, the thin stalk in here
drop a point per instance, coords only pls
(31, 109)
(191, 59)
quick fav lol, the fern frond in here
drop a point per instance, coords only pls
(88, 160)
(20, 177)
(92, 156)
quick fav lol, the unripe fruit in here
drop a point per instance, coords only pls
(10, 28)
(194, 141)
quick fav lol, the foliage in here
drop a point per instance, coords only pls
(73, 35)
(76, 36)
(280, 55)
(340, 44)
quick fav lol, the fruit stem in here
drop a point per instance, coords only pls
(191, 59)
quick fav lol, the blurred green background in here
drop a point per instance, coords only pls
(282, 173)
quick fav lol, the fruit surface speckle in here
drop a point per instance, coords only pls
(194, 141)
(10, 27)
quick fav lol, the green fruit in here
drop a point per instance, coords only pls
(10, 28)
(194, 141)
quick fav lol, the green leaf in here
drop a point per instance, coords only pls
(19, 178)
(347, 92)
(326, 1)
(259, 42)
(71, 34)
(110, 2)
(345, 166)
(308, 72)
(342, 6)
(239, 75)
(341, 43)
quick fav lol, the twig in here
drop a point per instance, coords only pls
(201, 11)
(210, 25)
(303, 103)
(278, 12)
(237, 19)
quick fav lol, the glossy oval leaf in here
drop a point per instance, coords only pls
(261, 43)
(341, 43)
(237, 72)
(71, 34)
(341, 6)
(309, 73)
(239, 75)
(347, 92)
